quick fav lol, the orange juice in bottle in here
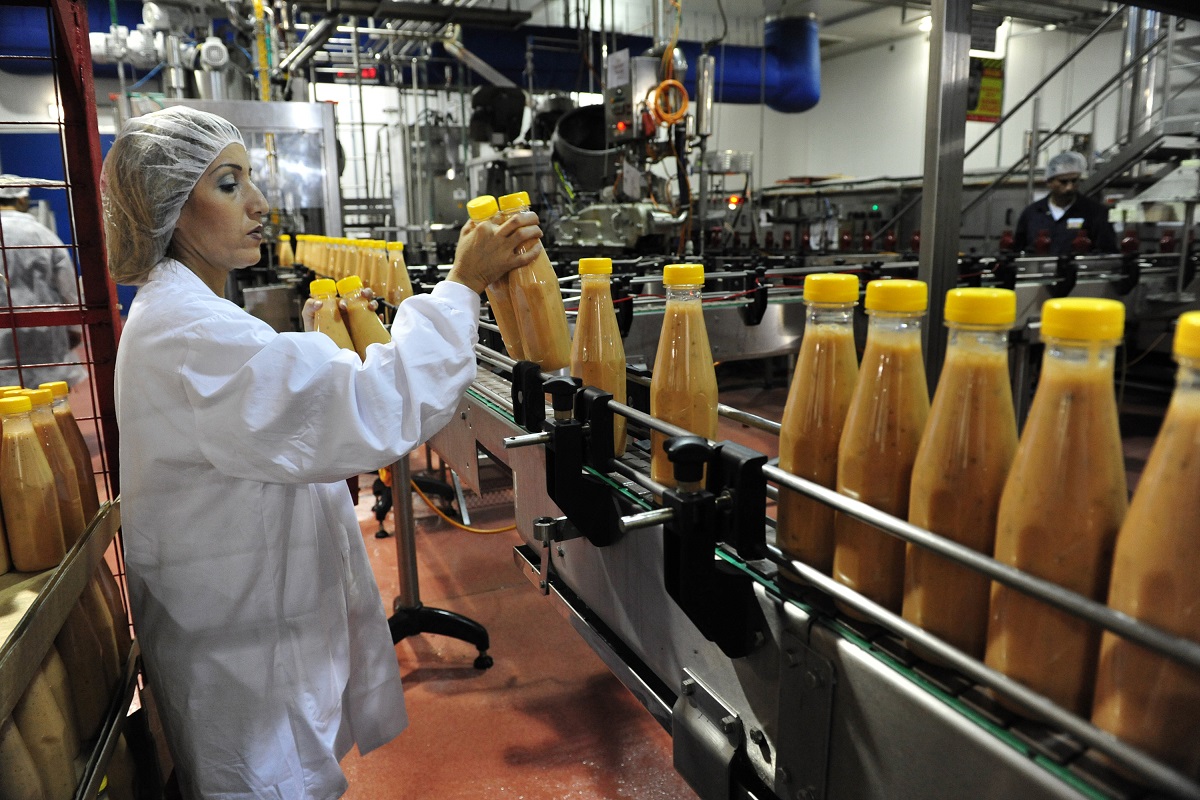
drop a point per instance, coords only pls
(1062, 505)
(879, 440)
(28, 493)
(70, 506)
(284, 255)
(328, 318)
(597, 352)
(683, 389)
(361, 319)
(545, 336)
(499, 293)
(1144, 698)
(81, 457)
(819, 396)
(399, 285)
(961, 466)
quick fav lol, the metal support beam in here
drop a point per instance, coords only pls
(945, 129)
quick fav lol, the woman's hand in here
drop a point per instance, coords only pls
(308, 314)
(487, 251)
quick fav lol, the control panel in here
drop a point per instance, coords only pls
(627, 94)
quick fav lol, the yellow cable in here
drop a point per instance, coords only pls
(456, 524)
(660, 93)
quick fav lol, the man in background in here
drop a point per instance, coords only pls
(1061, 215)
(35, 270)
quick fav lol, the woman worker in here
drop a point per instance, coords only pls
(263, 635)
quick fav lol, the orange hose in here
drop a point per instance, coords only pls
(670, 117)
(455, 523)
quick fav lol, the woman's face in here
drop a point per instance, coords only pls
(220, 226)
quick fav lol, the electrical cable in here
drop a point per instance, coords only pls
(666, 116)
(454, 522)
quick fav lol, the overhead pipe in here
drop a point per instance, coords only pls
(316, 38)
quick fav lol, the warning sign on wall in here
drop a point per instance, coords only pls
(985, 90)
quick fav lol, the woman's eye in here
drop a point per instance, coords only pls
(228, 188)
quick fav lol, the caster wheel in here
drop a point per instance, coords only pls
(381, 534)
(483, 661)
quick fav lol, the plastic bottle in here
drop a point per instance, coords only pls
(328, 319)
(55, 672)
(362, 321)
(499, 293)
(27, 492)
(19, 778)
(107, 583)
(817, 402)
(66, 482)
(1062, 505)
(683, 389)
(879, 440)
(1144, 698)
(46, 733)
(81, 457)
(79, 647)
(597, 352)
(93, 606)
(399, 285)
(545, 336)
(961, 466)
(284, 255)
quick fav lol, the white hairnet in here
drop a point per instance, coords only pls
(9, 191)
(148, 175)
(1066, 164)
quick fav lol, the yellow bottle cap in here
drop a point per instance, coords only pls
(13, 392)
(39, 397)
(897, 295)
(15, 404)
(322, 286)
(283, 237)
(348, 284)
(482, 207)
(830, 287)
(595, 266)
(15, 386)
(683, 274)
(1187, 335)
(515, 200)
(1088, 318)
(400, 245)
(57, 388)
(981, 306)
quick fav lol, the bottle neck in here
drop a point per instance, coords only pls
(595, 280)
(896, 323)
(1187, 379)
(977, 337)
(1079, 352)
(14, 422)
(830, 314)
(684, 292)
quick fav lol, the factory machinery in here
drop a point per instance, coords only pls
(739, 652)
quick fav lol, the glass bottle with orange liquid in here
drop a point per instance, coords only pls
(328, 318)
(284, 255)
(817, 402)
(597, 352)
(1142, 697)
(961, 466)
(28, 493)
(545, 336)
(683, 389)
(1062, 505)
(499, 293)
(81, 457)
(361, 320)
(879, 440)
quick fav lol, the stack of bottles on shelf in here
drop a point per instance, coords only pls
(1051, 502)
(48, 497)
(527, 302)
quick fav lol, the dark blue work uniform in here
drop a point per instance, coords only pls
(1084, 213)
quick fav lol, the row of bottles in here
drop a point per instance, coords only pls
(48, 492)
(378, 264)
(526, 302)
(1051, 502)
(64, 705)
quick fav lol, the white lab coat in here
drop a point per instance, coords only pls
(40, 272)
(263, 634)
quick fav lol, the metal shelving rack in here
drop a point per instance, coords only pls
(41, 601)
